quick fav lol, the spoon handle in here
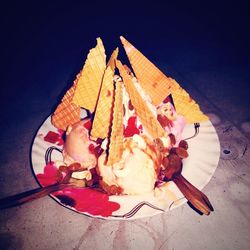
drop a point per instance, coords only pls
(197, 199)
(30, 195)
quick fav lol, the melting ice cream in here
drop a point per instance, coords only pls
(77, 146)
(137, 171)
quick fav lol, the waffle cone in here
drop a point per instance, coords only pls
(88, 87)
(185, 105)
(66, 113)
(115, 148)
(103, 113)
(146, 116)
(152, 80)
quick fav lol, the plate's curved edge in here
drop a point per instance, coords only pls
(215, 143)
(181, 199)
(218, 152)
(31, 149)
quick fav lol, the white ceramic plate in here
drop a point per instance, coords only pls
(198, 168)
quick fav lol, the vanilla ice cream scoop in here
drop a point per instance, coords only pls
(77, 146)
(136, 173)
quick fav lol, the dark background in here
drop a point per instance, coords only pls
(44, 44)
(204, 45)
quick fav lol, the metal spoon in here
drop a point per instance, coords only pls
(62, 182)
(33, 194)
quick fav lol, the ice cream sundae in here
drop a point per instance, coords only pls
(136, 116)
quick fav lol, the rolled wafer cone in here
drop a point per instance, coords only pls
(66, 113)
(185, 105)
(115, 144)
(156, 84)
(103, 113)
(88, 87)
(146, 116)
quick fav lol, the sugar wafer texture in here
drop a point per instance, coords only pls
(156, 84)
(66, 113)
(146, 116)
(112, 59)
(67, 98)
(185, 105)
(88, 87)
(115, 144)
(103, 113)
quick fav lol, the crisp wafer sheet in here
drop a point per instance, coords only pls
(103, 113)
(158, 86)
(185, 105)
(152, 80)
(89, 84)
(115, 147)
(146, 116)
(112, 59)
(66, 113)
(66, 116)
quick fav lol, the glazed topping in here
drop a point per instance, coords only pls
(174, 163)
(183, 144)
(172, 139)
(181, 152)
(163, 120)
